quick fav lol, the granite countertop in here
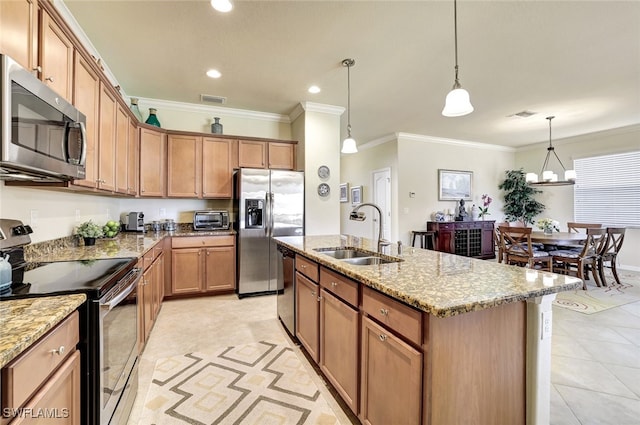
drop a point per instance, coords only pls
(436, 282)
(124, 245)
(24, 321)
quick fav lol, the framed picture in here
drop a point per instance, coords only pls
(344, 192)
(454, 185)
(356, 195)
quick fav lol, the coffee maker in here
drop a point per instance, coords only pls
(132, 221)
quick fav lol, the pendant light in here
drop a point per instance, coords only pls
(457, 103)
(349, 144)
(549, 178)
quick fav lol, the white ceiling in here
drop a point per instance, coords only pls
(577, 60)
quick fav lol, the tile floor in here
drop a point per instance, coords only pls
(595, 370)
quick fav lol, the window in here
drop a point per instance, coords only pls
(607, 190)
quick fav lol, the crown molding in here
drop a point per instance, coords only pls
(597, 135)
(453, 142)
(302, 107)
(377, 142)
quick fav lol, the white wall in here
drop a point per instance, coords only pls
(559, 200)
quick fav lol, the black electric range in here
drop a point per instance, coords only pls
(92, 277)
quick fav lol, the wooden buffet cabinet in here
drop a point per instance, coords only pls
(467, 238)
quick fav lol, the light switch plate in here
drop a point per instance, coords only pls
(546, 325)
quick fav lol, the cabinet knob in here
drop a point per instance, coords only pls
(382, 337)
(384, 311)
(59, 351)
(142, 190)
(37, 68)
(334, 284)
(303, 266)
(50, 79)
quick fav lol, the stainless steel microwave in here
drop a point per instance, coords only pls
(42, 135)
(211, 220)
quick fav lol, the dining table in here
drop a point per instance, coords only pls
(558, 238)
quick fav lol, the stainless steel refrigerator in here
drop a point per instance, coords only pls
(268, 203)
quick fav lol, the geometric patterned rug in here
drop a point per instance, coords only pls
(259, 383)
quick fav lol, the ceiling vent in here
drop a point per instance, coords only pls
(522, 114)
(213, 99)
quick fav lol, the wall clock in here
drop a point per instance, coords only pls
(323, 190)
(324, 172)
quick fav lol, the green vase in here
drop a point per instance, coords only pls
(153, 119)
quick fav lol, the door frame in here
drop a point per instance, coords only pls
(386, 206)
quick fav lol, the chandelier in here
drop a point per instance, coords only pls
(549, 178)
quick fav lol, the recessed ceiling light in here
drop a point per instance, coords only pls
(213, 73)
(222, 5)
(314, 89)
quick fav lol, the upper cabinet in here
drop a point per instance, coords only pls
(184, 166)
(217, 169)
(19, 31)
(107, 140)
(153, 151)
(122, 150)
(252, 154)
(56, 56)
(133, 162)
(265, 154)
(282, 155)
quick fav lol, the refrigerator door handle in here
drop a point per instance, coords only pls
(271, 196)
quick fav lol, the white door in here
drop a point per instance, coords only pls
(382, 198)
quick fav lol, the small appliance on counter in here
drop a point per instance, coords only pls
(132, 221)
(170, 225)
(211, 220)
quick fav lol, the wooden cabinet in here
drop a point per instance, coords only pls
(153, 147)
(308, 314)
(217, 168)
(86, 97)
(467, 238)
(204, 264)
(121, 154)
(107, 140)
(263, 154)
(55, 56)
(46, 375)
(133, 162)
(19, 31)
(184, 166)
(340, 334)
(391, 378)
(281, 155)
(150, 291)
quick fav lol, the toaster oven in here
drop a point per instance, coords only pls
(211, 220)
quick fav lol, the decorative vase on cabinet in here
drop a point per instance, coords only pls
(216, 127)
(153, 119)
(135, 109)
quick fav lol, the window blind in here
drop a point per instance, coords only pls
(607, 190)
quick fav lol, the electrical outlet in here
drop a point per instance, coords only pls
(546, 325)
(162, 212)
(405, 210)
(33, 222)
(77, 216)
(108, 214)
(412, 194)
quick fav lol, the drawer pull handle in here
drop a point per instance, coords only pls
(313, 293)
(303, 266)
(382, 337)
(58, 351)
(384, 311)
(334, 284)
(50, 79)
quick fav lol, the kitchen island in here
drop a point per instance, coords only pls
(435, 338)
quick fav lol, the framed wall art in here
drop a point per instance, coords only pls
(356, 195)
(454, 185)
(344, 192)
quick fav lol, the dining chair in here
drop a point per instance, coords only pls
(577, 227)
(496, 239)
(568, 261)
(518, 250)
(609, 253)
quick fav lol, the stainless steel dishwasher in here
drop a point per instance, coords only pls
(286, 298)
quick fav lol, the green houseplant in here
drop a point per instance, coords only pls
(89, 231)
(519, 198)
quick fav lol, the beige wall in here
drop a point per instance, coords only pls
(559, 200)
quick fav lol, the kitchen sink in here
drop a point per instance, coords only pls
(358, 257)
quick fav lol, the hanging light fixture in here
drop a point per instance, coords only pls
(457, 103)
(349, 144)
(549, 178)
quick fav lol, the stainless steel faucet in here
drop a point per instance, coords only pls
(360, 216)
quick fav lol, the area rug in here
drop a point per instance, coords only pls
(258, 383)
(595, 300)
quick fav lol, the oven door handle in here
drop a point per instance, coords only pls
(116, 300)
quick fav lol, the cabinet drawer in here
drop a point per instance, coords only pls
(339, 285)
(307, 267)
(147, 258)
(22, 376)
(200, 241)
(397, 316)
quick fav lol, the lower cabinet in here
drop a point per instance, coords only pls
(391, 378)
(308, 314)
(150, 292)
(45, 377)
(201, 264)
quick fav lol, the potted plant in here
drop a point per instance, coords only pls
(519, 198)
(89, 231)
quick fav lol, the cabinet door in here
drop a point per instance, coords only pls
(86, 97)
(158, 284)
(488, 243)
(56, 56)
(19, 31)
(217, 168)
(148, 297)
(186, 271)
(339, 325)
(121, 156)
(220, 268)
(252, 154)
(132, 159)
(391, 378)
(282, 155)
(184, 166)
(61, 391)
(307, 315)
(152, 163)
(107, 140)
(445, 240)
(142, 337)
